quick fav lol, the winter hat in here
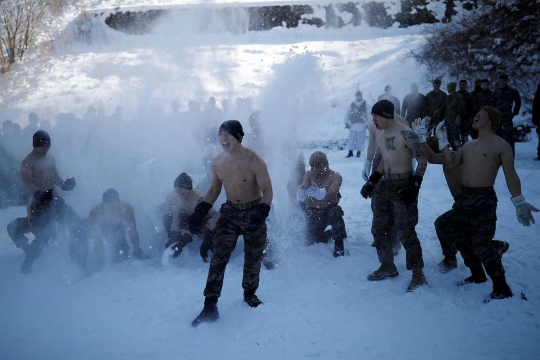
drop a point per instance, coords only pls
(234, 128)
(41, 138)
(318, 160)
(183, 181)
(111, 196)
(451, 86)
(494, 116)
(383, 108)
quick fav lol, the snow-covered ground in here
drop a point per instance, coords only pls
(315, 306)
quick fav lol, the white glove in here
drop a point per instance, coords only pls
(316, 192)
(301, 194)
(419, 127)
(367, 170)
(523, 210)
(440, 132)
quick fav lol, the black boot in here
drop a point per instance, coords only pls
(350, 154)
(418, 279)
(358, 153)
(387, 270)
(501, 290)
(251, 299)
(339, 248)
(478, 276)
(209, 313)
(449, 263)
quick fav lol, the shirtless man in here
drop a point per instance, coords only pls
(244, 176)
(475, 208)
(182, 202)
(444, 225)
(320, 191)
(395, 203)
(109, 220)
(372, 130)
(39, 175)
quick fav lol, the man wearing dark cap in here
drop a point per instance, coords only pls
(436, 103)
(396, 194)
(475, 208)
(40, 176)
(182, 202)
(109, 220)
(508, 102)
(248, 188)
(320, 192)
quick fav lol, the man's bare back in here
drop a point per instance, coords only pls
(104, 214)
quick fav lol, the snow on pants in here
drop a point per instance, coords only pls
(231, 224)
(42, 232)
(319, 219)
(474, 223)
(389, 211)
(357, 138)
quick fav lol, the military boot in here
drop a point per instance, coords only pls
(358, 153)
(501, 290)
(251, 299)
(478, 276)
(418, 279)
(209, 313)
(387, 270)
(448, 264)
(350, 154)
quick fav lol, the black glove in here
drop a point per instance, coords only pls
(256, 220)
(368, 187)
(68, 185)
(139, 254)
(410, 193)
(195, 220)
(207, 245)
(181, 241)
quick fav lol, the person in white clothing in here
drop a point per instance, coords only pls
(355, 120)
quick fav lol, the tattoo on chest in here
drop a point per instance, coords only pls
(390, 143)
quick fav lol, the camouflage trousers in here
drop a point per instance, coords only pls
(473, 222)
(230, 226)
(390, 212)
(506, 130)
(319, 219)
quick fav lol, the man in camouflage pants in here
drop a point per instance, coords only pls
(507, 97)
(245, 177)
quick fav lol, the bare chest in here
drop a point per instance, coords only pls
(235, 172)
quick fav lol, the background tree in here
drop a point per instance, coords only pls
(499, 37)
(20, 21)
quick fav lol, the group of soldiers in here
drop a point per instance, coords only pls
(391, 182)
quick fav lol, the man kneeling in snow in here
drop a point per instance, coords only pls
(320, 191)
(110, 219)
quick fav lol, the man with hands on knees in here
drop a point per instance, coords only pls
(475, 207)
(395, 194)
(110, 219)
(320, 191)
(248, 189)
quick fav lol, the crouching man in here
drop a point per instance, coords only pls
(320, 191)
(109, 220)
(248, 188)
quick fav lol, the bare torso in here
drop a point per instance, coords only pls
(41, 171)
(453, 178)
(331, 181)
(482, 161)
(237, 175)
(397, 157)
(184, 204)
(110, 215)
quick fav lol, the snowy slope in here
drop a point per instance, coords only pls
(315, 306)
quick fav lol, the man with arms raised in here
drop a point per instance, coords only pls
(320, 191)
(110, 219)
(40, 176)
(396, 196)
(245, 178)
(475, 207)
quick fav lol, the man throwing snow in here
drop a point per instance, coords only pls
(320, 191)
(475, 207)
(395, 198)
(248, 188)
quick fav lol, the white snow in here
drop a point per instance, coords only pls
(315, 306)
